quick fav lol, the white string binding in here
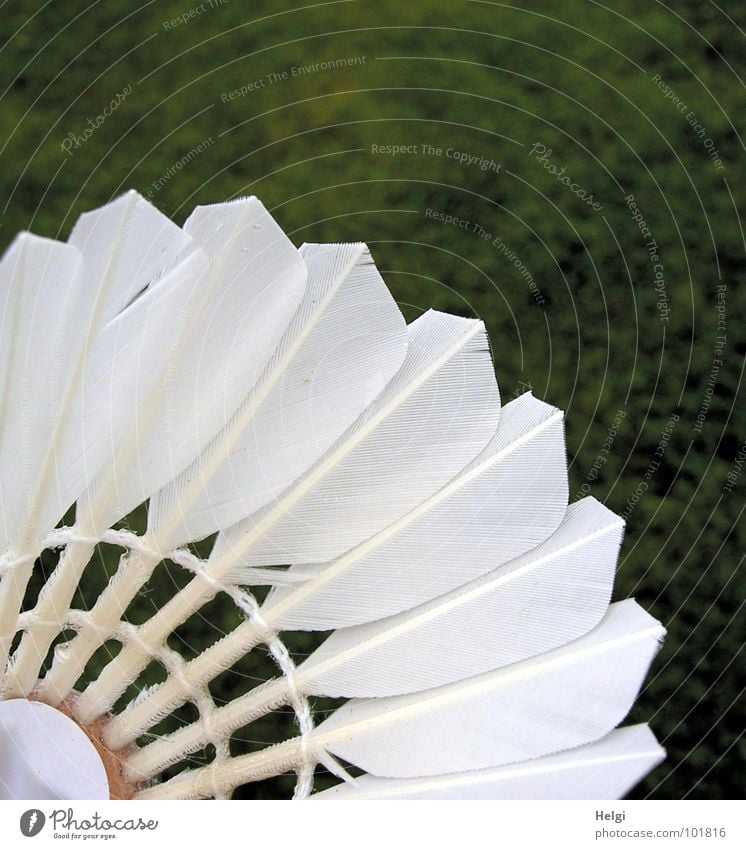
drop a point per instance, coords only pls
(173, 662)
(246, 602)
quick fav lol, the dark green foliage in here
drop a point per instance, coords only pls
(489, 80)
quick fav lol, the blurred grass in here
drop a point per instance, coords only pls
(490, 80)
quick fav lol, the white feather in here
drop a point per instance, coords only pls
(72, 321)
(100, 418)
(187, 352)
(562, 699)
(559, 700)
(555, 593)
(56, 302)
(38, 280)
(509, 499)
(126, 246)
(344, 344)
(606, 769)
(434, 417)
(166, 373)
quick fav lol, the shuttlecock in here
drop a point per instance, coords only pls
(276, 398)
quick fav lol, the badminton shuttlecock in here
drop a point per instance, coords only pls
(361, 469)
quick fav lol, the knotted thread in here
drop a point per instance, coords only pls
(173, 662)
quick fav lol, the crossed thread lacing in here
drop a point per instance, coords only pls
(174, 663)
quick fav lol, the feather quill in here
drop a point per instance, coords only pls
(553, 594)
(361, 469)
(559, 700)
(117, 252)
(344, 344)
(184, 353)
(433, 418)
(509, 499)
(506, 501)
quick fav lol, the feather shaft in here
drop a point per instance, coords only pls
(161, 753)
(558, 700)
(45, 621)
(342, 281)
(101, 624)
(221, 779)
(474, 629)
(200, 307)
(524, 423)
(438, 345)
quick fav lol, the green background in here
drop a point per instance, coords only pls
(490, 80)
